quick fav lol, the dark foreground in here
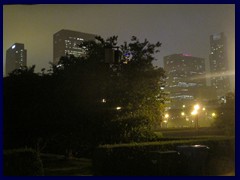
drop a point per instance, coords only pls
(55, 165)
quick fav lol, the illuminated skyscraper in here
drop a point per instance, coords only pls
(184, 70)
(16, 57)
(66, 42)
(185, 78)
(218, 63)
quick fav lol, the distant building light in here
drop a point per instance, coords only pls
(104, 101)
(13, 46)
(118, 108)
(60, 65)
(125, 62)
(162, 88)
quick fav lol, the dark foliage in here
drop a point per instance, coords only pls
(72, 108)
(226, 115)
(22, 162)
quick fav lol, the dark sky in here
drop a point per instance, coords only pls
(180, 28)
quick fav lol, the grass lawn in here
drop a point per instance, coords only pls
(188, 132)
(57, 165)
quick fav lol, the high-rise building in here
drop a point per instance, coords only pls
(186, 79)
(218, 63)
(184, 70)
(186, 86)
(67, 41)
(16, 57)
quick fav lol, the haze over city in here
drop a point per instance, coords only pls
(180, 28)
(119, 90)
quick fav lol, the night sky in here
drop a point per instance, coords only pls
(180, 28)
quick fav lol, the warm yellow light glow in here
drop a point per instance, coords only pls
(196, 107)
(104, 101)
(182, 113)
(194, 112)
(166, 116)
(213, 115)
(165, 121)
(204, 109)
(183, 106)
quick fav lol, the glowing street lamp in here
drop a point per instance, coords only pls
(196, 107)
(182, 113)
(195, 113)
(166, 116)
(213, 115)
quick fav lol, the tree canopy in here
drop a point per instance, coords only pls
(86, 100)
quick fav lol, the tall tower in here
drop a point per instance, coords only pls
(16, 57)
(66, 42)
(218, 64)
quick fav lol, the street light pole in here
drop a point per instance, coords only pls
(166, 116)
(195, 113)
(197, 123)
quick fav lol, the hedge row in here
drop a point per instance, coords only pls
(134, 158)
(22, 162)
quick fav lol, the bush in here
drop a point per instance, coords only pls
(126, 129)
(22, 162)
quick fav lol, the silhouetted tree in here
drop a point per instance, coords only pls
(73, 106)
(226, 115)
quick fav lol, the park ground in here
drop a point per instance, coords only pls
(58, 165)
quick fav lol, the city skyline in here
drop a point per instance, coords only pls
(84, 96)
(180, 28)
